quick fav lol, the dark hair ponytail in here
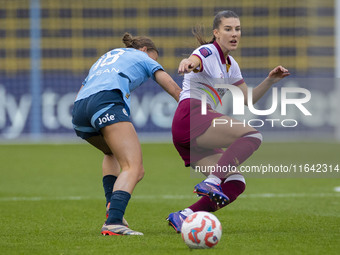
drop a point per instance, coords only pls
(138, 42)
(127, 40)
(198, 30)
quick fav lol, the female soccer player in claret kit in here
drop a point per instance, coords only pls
(101, 117)
(197, 140)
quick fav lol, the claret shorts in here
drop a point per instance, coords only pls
(187, 125)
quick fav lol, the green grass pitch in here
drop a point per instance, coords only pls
(52, 202)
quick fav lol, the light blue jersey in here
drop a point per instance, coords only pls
(124, 69)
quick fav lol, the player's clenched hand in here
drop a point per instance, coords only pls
(186, 66)
(278, 73)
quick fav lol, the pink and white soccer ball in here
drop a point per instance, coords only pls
(201, 230)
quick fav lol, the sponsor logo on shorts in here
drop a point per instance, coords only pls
(125, 112)
(106, 118)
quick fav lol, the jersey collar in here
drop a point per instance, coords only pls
(221, 54)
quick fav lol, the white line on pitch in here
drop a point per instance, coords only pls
(169, 197)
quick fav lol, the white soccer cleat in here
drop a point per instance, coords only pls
(118, 230)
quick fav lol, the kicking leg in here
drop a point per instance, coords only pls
(232, 186)
(221, 188)
(241, 142)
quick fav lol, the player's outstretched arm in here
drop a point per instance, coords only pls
(188, 64)
(274, 76)
(168, 84)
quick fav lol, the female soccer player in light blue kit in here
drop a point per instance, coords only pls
(101, 117)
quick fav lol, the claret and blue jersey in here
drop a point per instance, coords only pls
(123, 68)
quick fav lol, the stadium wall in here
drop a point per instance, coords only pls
(47, 47)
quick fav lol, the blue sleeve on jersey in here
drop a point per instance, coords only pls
(151, 66)
(155, 70)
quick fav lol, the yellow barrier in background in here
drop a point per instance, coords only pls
(296, 34)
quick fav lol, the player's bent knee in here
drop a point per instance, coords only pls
(141, 172)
